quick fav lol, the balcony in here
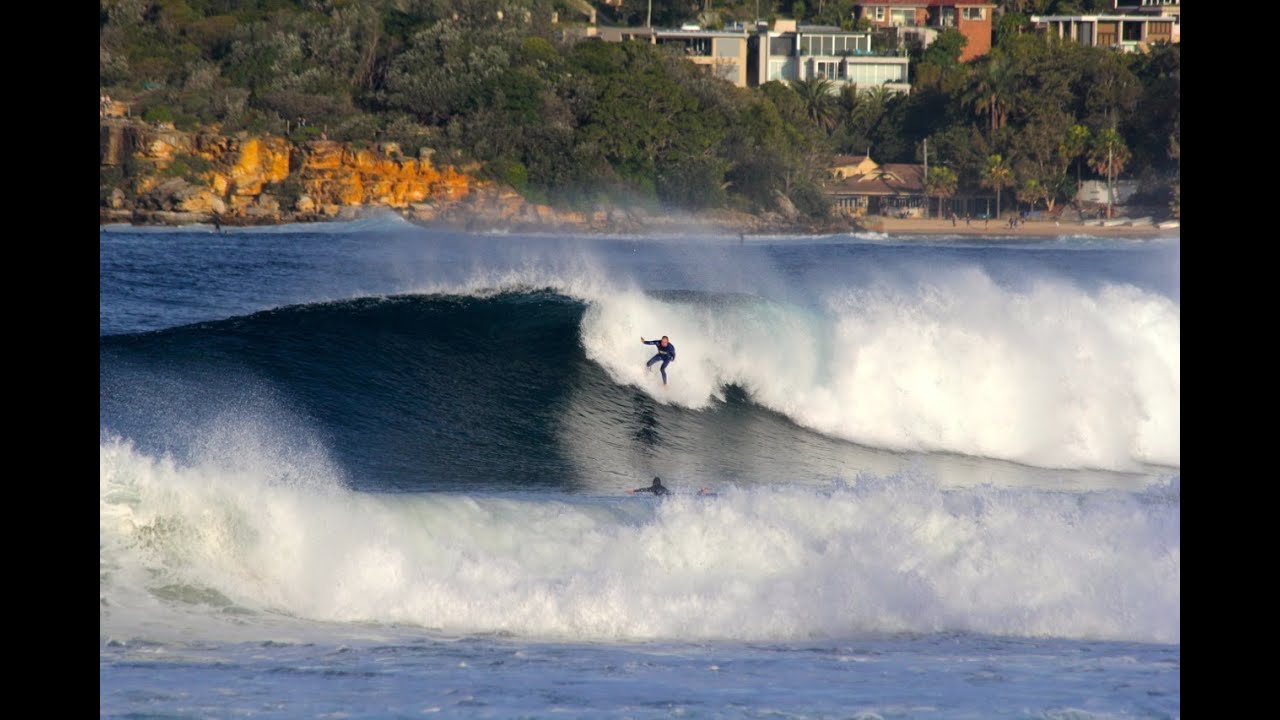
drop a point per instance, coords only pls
(853, 53)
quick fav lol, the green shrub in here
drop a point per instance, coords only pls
(188, 167)
(810, 200)
(158, 114)
(286, 191)
(305, 133)
(513, 173)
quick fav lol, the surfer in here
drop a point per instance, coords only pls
(657, 488)
(666, 353)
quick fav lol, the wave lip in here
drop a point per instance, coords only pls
(1053, 377)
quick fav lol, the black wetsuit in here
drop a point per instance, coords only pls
(665, 354)
(657, 488)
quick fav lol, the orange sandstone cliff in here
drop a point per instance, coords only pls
(154, 174)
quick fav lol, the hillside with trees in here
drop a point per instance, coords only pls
(500, 85)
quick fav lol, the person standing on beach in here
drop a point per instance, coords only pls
(666, 353)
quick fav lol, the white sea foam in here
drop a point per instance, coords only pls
(880, 555)
(1054, 376)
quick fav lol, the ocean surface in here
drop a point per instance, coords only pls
(373, 470)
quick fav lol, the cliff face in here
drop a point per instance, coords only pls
(169, 176)
(159, 175)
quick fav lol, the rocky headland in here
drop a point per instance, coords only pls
(155, 174)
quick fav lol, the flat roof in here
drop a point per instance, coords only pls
(1094, 18)
(698, 33)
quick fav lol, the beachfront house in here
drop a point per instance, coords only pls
(748, 57)
(722, 53)
(920, 21)
(791, 51)
(858, 186)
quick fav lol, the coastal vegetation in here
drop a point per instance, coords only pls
(501, 86)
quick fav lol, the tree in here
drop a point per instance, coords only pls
(1030, 192)
(997, 176)
(819, 102)
(1111, 87)
(446, 68)
(991, 90)
(1040, 168)
(940, 183)
(1108, 155)
(1074, 142)
(945, 49)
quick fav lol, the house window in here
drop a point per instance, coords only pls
(973, 13)
(902, 17)
(878, 13)
(830, 70)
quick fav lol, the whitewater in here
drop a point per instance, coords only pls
(379, 470)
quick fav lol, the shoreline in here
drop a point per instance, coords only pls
(1028, 228)
(713, 223)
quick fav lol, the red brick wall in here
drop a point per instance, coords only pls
(978, 33)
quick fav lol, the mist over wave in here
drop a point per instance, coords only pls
(878, 555)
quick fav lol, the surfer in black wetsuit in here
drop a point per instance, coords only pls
(666, 353)
(657, 488)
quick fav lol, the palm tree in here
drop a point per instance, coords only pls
(1108, 156)
(819, 101)
(848, 100)
(1031, 192)
(990, 92)
(997, 175)
(1073, 145)
(940, 183)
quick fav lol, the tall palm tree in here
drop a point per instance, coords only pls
(819, 101)
(1074, 142)
(940, 183)
(991, 91)
(1108, 156)
(997, 175)
(871, 109)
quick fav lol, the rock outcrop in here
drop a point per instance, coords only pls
(156, 174)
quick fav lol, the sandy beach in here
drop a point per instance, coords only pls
(1030, 228)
